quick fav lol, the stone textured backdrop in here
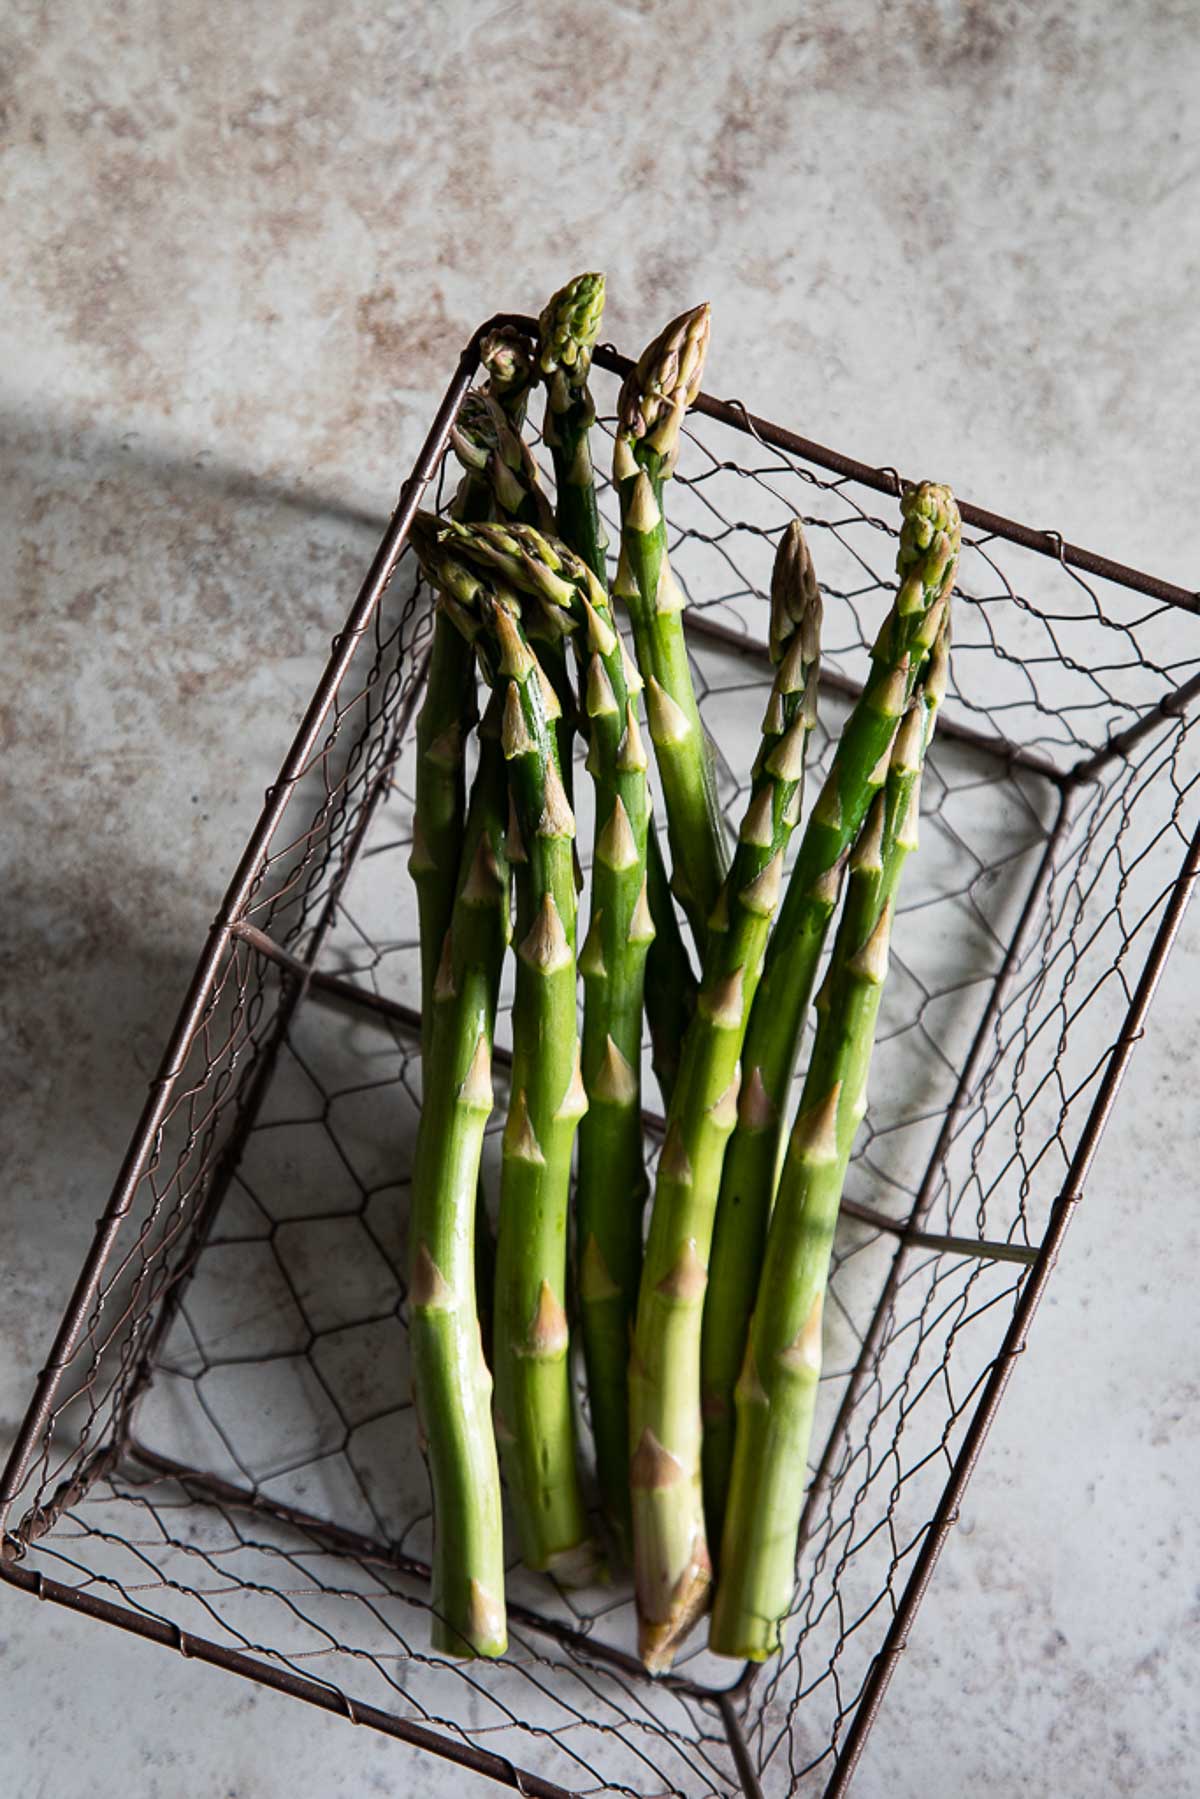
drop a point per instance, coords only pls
(241, 248)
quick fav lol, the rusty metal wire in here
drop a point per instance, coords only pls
(222, 1452)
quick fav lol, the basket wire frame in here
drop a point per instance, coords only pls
(1077, 828)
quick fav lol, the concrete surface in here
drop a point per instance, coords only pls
(241, 247)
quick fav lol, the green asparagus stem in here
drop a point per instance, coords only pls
(670, 978)
(672, 1569)
(795, 627)
(567, 333)
(438, 822)
(499, 472)
(534, 1420)
(451, 1381)
(654, 399)
(776, 1393)
(926, 563)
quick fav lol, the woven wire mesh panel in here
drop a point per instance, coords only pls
(228, 1449)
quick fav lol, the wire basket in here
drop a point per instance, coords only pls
(221, 1454)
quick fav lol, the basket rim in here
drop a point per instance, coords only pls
(884, 479)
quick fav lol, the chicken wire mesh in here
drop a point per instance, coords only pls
(222, 1453)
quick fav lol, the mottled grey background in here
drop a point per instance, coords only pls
(241, 248)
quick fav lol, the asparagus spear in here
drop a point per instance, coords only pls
(795, 624)
(672, 1569)
(568, 329)
(567, 333)
(534, 1421)
(450, 1377)
(776, 1393)
(612, 1187)
(926, 562)
(654, 398)
(493, 453)
(450, 696)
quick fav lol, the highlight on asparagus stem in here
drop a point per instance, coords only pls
(777, 1388)
(567, 332)
(654, 399)
(451, 1382)
(926, 563)
(672, 1568)
(795, 627)
(671, 983)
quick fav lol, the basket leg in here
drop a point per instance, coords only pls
(739, 1748)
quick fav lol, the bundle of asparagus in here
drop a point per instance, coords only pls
(701, 1336)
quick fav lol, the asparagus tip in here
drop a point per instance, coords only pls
(664, 382)
(508, 358)
(795, 596)
(569, 326)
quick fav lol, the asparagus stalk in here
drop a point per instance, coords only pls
(451, 1381)
(498, 468)
(777, 1390)
(567, 333)
(672, 1569)
(926, 562)
(445, 719)
(654, 399)
(795, 625)
(534, 1420)
(612, 1188)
